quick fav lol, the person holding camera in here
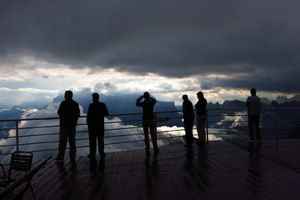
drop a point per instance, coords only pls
(149, 124)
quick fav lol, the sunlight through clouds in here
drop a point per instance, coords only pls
(38, 82)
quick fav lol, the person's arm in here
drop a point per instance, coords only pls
(259, 106)
(88, 116)
(247, 102)
(61, 109)
(205, 107)
(153, 100)
(138, 103)
(77, 111)
(190, 108)
(197, 105)
(105, 110)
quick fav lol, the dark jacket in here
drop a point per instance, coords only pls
(201, 106)
(69, 113)
(188, 110)
(147, 105)
(96, 113)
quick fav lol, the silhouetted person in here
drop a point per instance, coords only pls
(95, 120)
(188, 117)
(201, 114)
(69, 113)
(253, 105)
(148, 121)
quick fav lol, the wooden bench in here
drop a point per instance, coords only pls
(8, 192)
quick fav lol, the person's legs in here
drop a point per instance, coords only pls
(92, 142)
(201, 128)
(100, 135)
(257, 128)
(63, 135)
(198, 127)
(146, 134)
(72, 143)
(153, 134)
(250, 125)
(188, 126)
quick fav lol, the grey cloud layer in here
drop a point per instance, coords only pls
(259, 39)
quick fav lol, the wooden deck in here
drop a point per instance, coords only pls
(222, 170)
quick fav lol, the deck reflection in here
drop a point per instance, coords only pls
(221, 170)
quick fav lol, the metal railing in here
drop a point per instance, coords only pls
(125, 130)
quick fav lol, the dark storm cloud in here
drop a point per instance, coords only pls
(262, 85)
(259, 39)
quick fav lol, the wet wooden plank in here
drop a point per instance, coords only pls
(283, 152)
(222, 170)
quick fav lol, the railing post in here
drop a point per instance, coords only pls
(155, 115)
(206, 124)
(17, 135)
(276, 125)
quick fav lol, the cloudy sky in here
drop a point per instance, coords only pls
(168, 47)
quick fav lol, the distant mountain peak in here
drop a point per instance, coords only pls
(281, 99)
(265, 100)
(295, 98)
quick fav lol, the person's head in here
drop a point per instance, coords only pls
(68, 94)
(185, 97)
(200, 95)
(146, 95)
(253, 91)
(95, 97)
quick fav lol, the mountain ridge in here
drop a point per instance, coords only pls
(126, 104)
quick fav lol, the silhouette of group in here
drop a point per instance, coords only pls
(69, 113)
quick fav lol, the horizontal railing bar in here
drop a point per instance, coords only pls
(79, 139)
(7, 145)
(46, 134)
(262, 108)
(35, 127)
(51, 141)
(176, 111)
(114, 129)
(28, 119)
(118, 122)
(113, 136)
(7, 129)
(239, 127)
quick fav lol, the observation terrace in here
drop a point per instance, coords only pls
(228, 167)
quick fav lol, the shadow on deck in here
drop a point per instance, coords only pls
(223, 170)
